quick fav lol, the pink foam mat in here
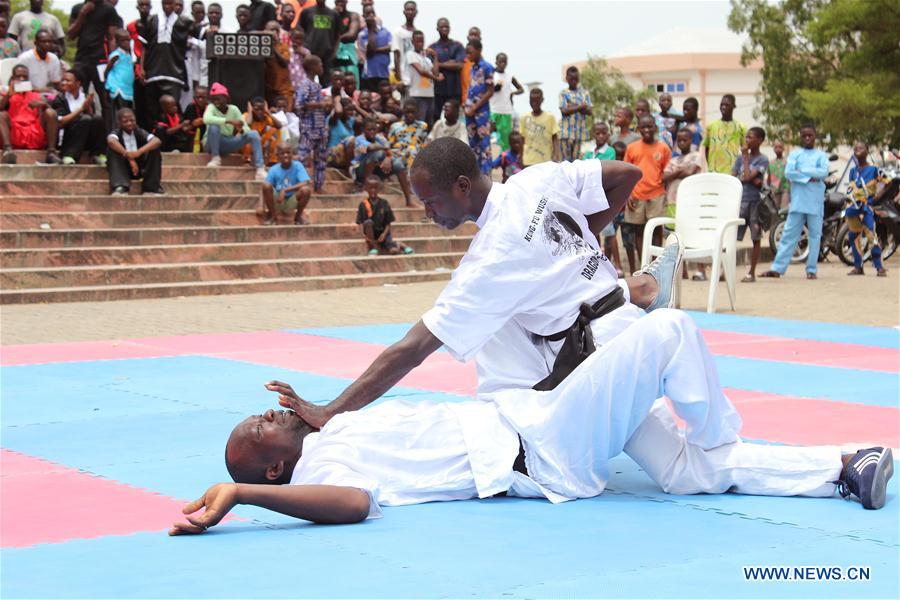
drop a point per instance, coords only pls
(740, 345)
(807, 352)
(44, 502)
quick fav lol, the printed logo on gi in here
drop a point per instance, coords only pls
(563, 235)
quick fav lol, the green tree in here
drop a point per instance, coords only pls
(18, 5)
(833, 62)
(607, 87)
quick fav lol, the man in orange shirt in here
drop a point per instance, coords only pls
(648, 199)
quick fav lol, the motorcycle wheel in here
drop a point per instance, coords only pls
(802, 249)
(844, 249)
(888, 243)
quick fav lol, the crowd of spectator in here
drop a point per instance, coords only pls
(341, 91)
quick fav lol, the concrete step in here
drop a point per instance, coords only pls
(96, 187)
(36, 158)
(116, 219)
(94, 275)
(155, 236)
(94, 173)
(167, 203)
(38, 258)
(196, 288)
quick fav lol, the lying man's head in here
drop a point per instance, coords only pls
(265, 448)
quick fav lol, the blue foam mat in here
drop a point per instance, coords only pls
(162, 425)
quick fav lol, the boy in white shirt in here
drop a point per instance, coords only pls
(423, 72)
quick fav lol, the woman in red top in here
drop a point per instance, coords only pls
(26, 120)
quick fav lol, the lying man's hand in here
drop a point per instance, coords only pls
(218, 501)
(313, 414)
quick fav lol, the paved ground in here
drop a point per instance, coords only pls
(834, 298)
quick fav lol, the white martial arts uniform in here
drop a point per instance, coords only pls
(403, 453)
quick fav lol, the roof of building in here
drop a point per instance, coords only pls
(685, 40)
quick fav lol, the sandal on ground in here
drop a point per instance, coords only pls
(812, 276)
(748, 278)
(698, 276)
(373, 252)
(52, 158)
(771, 274)
(882, 272)
(856, 271)
(407, 250)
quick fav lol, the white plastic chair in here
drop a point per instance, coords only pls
(6, 67)
(709, 206)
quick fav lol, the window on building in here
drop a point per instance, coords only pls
(672, 87)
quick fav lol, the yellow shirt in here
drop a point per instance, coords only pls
(538, 132)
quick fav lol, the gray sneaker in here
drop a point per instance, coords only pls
(664, 269)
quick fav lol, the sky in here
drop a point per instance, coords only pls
(540, 37)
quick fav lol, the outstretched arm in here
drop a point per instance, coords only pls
(326, 504)
(391, 366)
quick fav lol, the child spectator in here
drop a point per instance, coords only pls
(667, 119)
(622, 119)
(642, 109)
(81, 128)
(510, 161)
(686, 161)
(602, 150)
(341, 136)
(9, 47)
(313, 111)
(541, 132)
(450, 125)
(423, 72)
(290, 123)
(133, 154)
(372, 155)
(259, 119)
(297, 56)
(691, 121)
(863, 190)
(44, 67)
(173, 130)
(575, 106)
(648, 199)
(465, 73)
(26, 120)
(286, 188)
(336, 88)
(350, 90)
(806, 169)
(502, 103)
(478, 111)
(374, 45)
(627, 229)
(724, 138)
(119, 74)
(408, 136)
(242, 16)
(374, 217)
(194, 115)
(225, 131)
(777, 181)
(278, 77)
(750, 167)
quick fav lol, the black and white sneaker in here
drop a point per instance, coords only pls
(866, 476)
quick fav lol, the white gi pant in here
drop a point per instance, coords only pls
(611, 403)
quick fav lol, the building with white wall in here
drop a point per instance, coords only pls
(704, 63)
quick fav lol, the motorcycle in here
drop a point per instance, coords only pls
(887, 225)
(834, 207)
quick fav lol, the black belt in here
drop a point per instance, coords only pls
(579, 339)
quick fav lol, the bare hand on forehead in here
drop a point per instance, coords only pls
(313, 414)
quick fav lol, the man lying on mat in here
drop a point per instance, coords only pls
(554, 444)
